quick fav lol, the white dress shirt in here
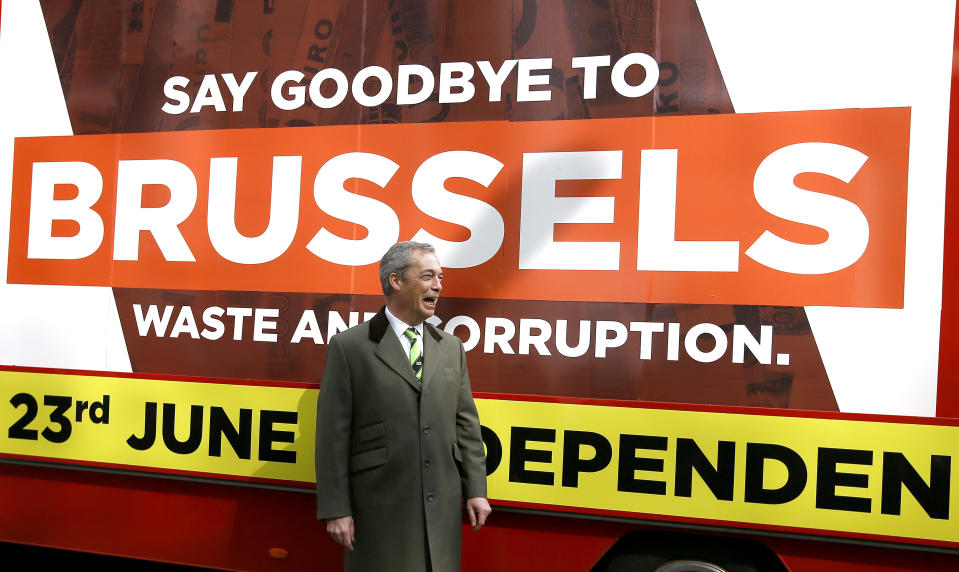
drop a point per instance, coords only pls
(399, 326)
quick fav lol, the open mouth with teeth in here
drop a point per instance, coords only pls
(430, 301)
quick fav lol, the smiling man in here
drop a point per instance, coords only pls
(398, 442)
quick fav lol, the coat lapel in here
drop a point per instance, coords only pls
(390, 351)
(431, 348)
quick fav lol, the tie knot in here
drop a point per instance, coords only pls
(411, 333)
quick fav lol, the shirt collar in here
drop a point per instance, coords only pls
(399, 326)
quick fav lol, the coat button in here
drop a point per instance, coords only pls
(429, 497)
(427, 463)
(426, 430)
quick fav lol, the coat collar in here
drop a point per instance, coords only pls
(379, 324)
(390, 351)
(433, 332)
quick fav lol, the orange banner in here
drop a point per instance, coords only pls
(801, 208)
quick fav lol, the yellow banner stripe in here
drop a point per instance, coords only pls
(257, 431)
(836, 475)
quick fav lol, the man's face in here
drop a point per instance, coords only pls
(416, 292)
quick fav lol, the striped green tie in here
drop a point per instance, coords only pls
(416, 353)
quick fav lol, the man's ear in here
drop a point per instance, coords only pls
(395, 281)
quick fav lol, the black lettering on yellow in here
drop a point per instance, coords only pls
(629, 463)
(719, 478)
(192, 442)
(100, 410)
(19, 428)
(756, 456)
(270, 436)
(97, 411)
(494, 449)
(573, 464)
(520, 454)
(932, 497)
(61, 404)
(149, 429)
(828, 477)
(240, 439)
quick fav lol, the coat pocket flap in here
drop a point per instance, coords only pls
(456, 453)
(367, 459)
(370, 432)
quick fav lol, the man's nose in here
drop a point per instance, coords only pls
(437, 284)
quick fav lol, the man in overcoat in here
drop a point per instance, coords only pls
(398, 442)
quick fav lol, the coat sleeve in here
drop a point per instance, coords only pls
(469, 437)
(333, 421)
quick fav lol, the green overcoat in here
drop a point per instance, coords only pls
(396, 456)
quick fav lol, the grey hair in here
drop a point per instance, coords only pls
(398, 259)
